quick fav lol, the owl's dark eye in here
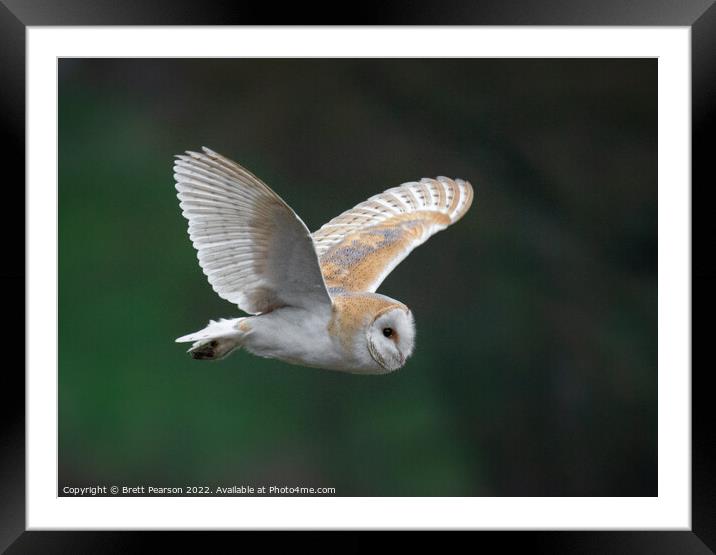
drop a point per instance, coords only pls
(387, 332)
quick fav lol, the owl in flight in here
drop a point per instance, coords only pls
(312, 295)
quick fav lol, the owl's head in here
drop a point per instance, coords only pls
(391, 337)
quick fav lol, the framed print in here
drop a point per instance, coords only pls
(549, 386)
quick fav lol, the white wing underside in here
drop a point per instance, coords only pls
(256, 252)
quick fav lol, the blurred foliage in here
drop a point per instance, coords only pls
(535, 371)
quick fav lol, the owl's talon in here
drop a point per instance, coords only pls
(203, 352)
(213, 349)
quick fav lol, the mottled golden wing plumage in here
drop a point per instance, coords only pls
(359, 248)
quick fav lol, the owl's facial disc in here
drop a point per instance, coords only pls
(391, 338)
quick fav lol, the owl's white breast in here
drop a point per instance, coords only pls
(299, 336)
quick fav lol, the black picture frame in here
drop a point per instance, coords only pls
(16, 15)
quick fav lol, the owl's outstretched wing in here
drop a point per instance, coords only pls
(254, 249)
(359, 248)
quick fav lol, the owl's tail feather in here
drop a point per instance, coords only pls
(215, 341)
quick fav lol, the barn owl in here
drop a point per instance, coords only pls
(312, 295)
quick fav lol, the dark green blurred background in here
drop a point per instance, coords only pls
(535, 371)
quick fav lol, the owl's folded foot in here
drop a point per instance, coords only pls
(215, 341)
(214, 349)
(204, 351)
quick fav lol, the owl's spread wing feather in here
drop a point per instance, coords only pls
(359, 248)
(254, 249)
